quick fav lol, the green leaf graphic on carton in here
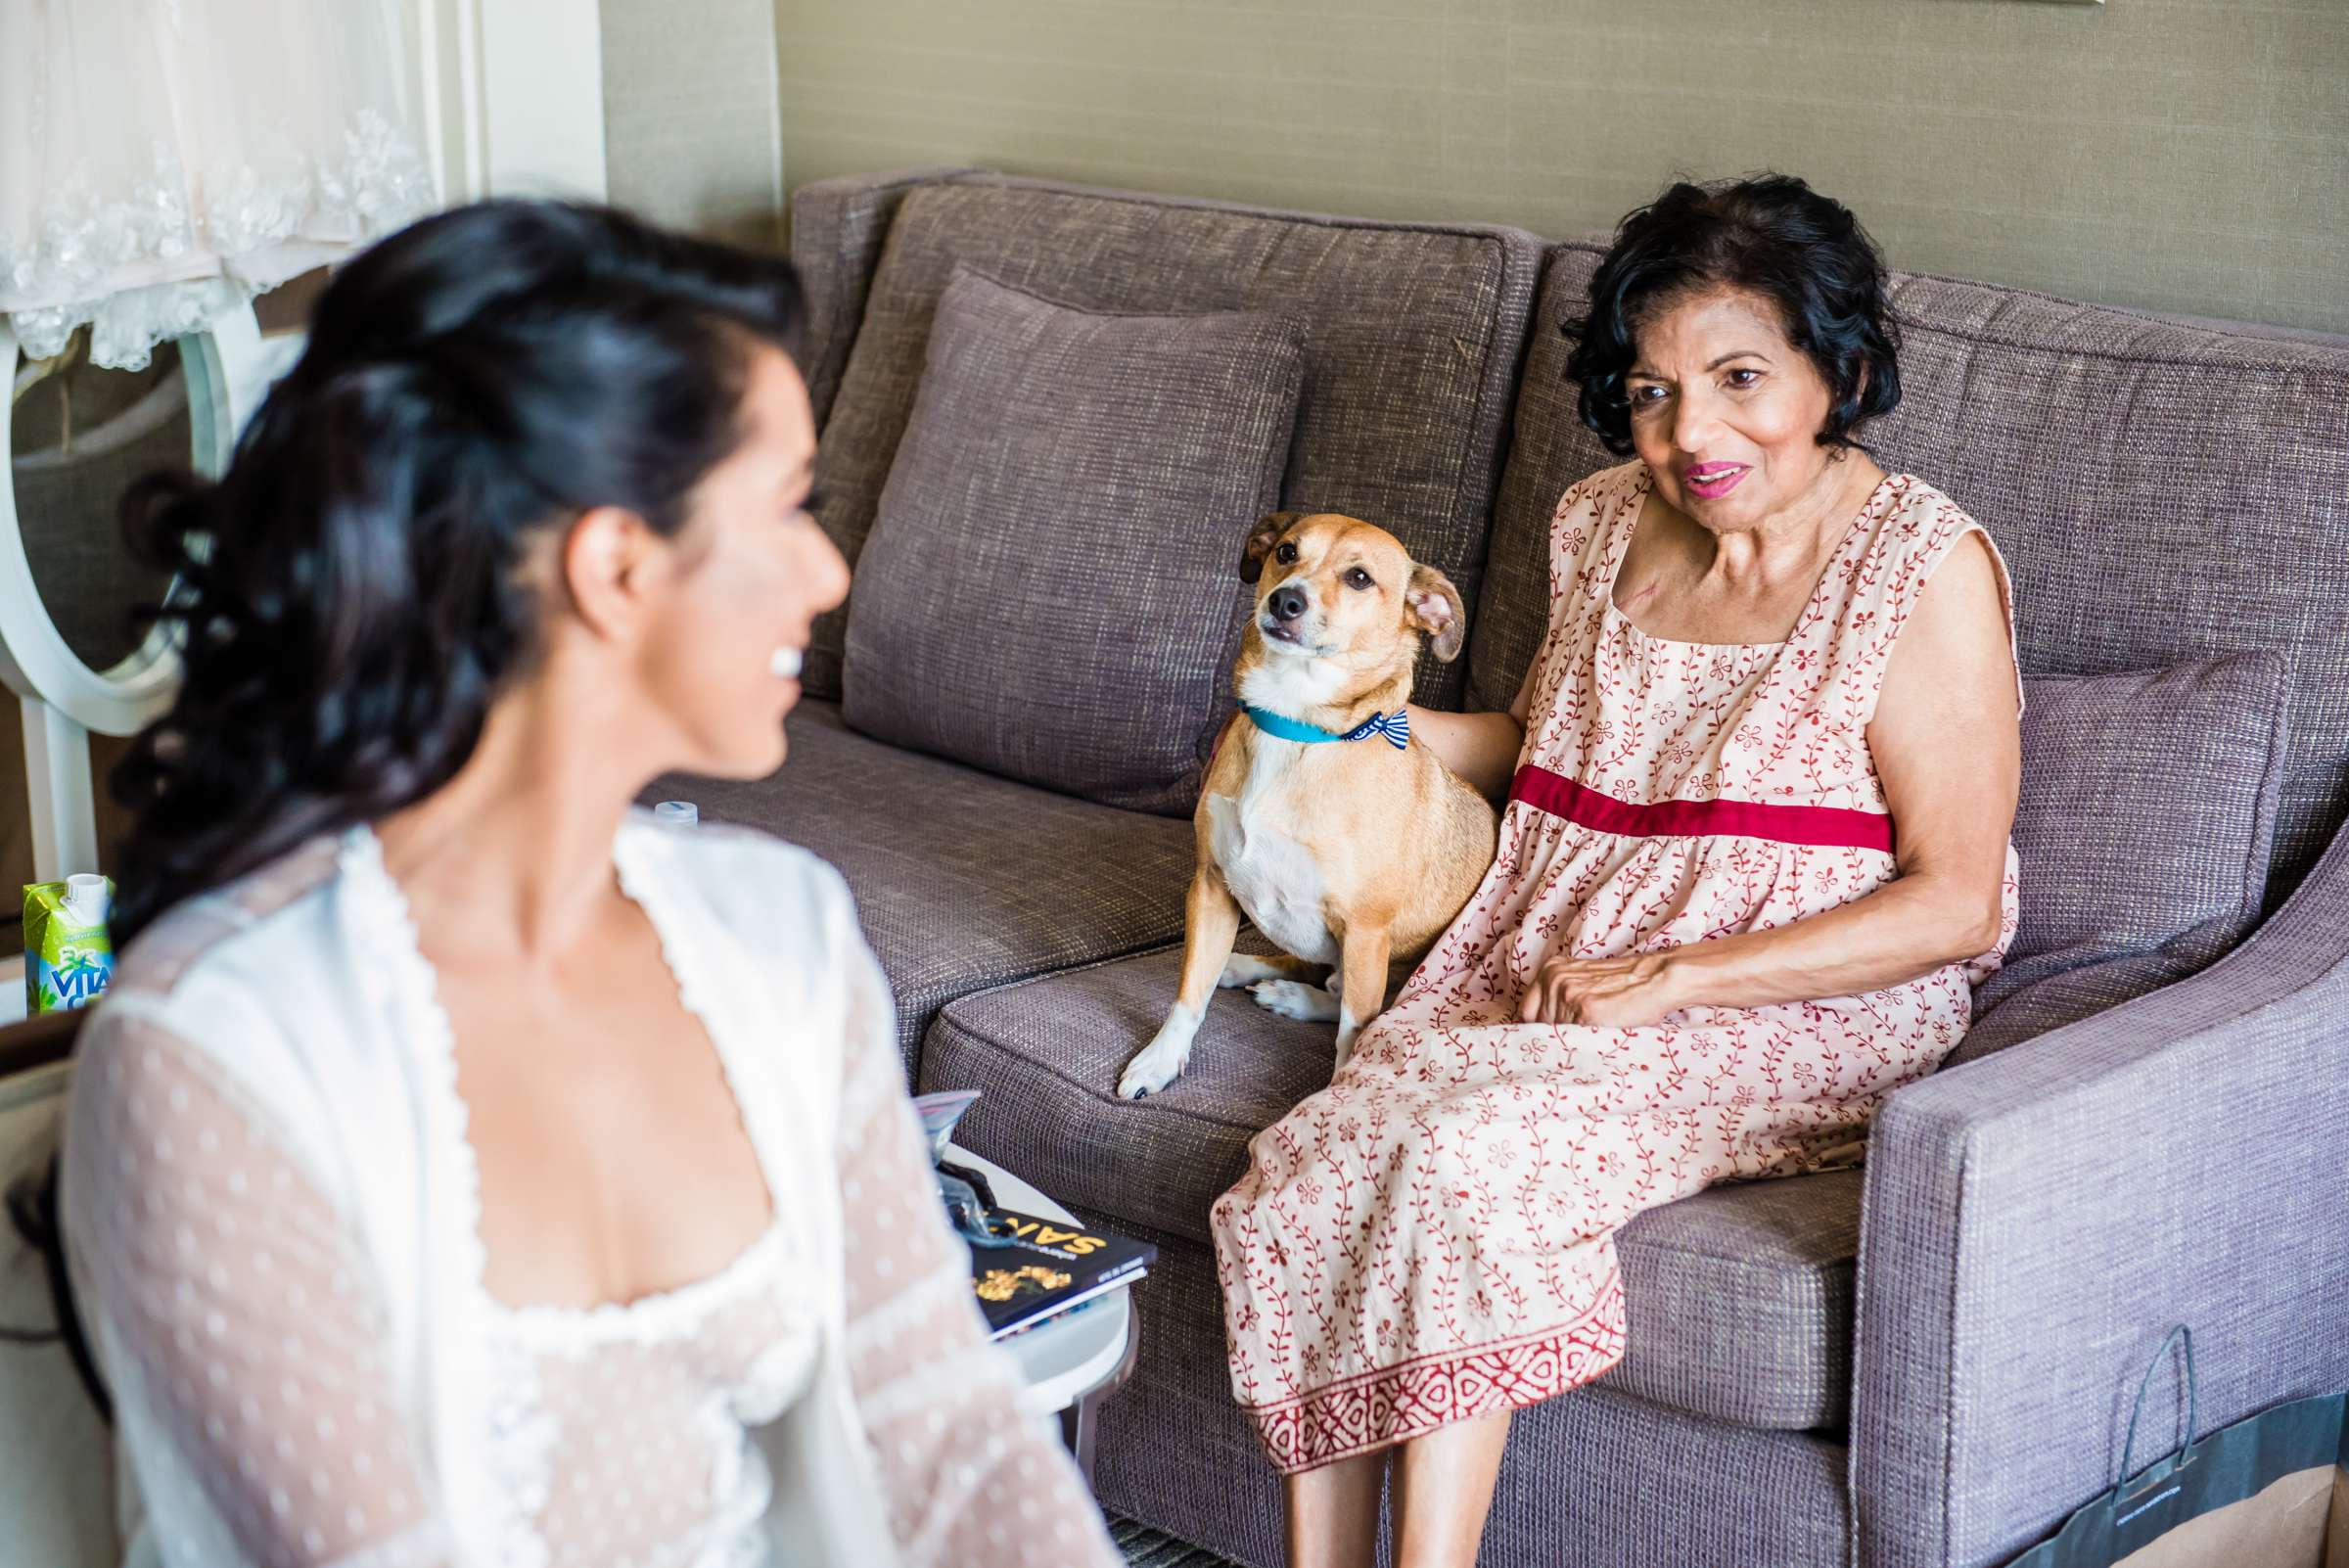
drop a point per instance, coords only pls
(81, 973)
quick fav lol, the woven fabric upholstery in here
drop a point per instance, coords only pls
(2034, 1221)
(837, 227)
(1739, 1302)
(1414, 334)
(1550, 450)
(1051, 591)
(2147, 810)
(963, 880)
(1739, 1298)
(1595, 1478)
(1684, 1490)
(2162, 492)
(1048, 1055)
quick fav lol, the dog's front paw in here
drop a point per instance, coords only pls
(1159, 1062)
(1292, 999)
(1153, 1069)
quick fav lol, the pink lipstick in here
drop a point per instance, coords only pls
(1709, 482)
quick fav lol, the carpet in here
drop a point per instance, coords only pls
(1145, 1548)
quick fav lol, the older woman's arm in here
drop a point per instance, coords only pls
(1948, 748)
(1482, 748)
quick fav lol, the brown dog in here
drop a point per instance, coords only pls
(1346, 842)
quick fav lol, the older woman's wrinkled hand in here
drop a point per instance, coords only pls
(1623, 993)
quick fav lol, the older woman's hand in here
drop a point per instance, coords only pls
(1623, 993)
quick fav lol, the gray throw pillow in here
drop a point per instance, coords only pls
(2147, 809)
(1051, 590)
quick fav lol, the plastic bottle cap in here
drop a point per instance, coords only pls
(86, 898)
(677, 813)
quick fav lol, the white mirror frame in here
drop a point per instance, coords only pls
(63, 698)
(511, 101)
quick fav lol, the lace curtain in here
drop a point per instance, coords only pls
(161, 161)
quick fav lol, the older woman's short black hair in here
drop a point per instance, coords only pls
(1772, 236)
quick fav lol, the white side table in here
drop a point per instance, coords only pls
(1073, 1366)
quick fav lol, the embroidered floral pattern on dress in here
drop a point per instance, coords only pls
(1431, 1237)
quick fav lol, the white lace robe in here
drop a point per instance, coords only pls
(163, 161)
(272, 1213)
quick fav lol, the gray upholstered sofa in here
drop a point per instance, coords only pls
(1918, 1363)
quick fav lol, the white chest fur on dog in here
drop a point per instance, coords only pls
(1337, 853)
(1272, 877)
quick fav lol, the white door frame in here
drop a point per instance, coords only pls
(511, 96)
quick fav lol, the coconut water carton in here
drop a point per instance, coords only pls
(69, 957)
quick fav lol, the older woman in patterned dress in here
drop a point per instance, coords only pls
(1761, 777)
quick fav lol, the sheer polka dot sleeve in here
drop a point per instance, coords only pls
(970, 1480)
(233, 1310)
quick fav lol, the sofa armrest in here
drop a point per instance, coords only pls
(838, 228)
(2034, 1221)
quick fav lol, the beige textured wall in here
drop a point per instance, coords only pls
(689, 115)
(2190, 155)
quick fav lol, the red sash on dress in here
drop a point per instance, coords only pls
(1835, 825)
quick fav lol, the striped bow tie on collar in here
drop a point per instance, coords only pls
(1396, 728)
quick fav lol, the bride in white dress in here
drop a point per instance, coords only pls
(163, 161)
(466, 1171)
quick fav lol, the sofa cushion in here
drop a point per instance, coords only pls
(2162, 492)
(1739, 1298)
(1051, 588)
(963, 880)
(1550, 450)
(1416, 331)
(2148, 814)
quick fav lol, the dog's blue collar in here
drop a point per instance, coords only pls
(1396, 728)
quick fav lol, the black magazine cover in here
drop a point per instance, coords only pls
(1047, 1268)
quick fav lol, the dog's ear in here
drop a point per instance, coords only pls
(1433, 606)
(1261, 539)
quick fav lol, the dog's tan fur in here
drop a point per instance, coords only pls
(1353, 853)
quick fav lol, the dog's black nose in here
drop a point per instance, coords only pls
(1288, 603)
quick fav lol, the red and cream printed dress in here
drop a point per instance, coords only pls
(1431, 1237)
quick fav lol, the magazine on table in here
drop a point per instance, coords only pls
(1048, 1267)
(1025, 1269)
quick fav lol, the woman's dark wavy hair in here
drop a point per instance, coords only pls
(349, 602)
(1769, 235)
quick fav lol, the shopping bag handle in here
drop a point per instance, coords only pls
(2186, 1449)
